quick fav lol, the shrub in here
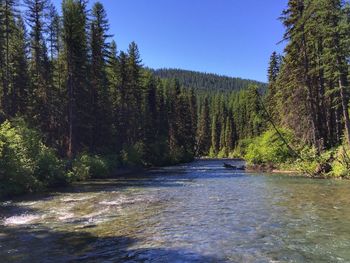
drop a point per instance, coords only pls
(132, 155)
(87, 166)
(223, 153)
(50, 169)
(26, 164)
(269, 148)
(156, 154)
(241, 149)
(341, 163)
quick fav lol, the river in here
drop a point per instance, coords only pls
(198, 212)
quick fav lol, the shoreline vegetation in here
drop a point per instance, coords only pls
(73, 107)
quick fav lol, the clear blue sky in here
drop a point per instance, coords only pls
(227, 37)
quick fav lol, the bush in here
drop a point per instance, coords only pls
(341, 163)
(241, 149)
(269, 148)
(50, 169)
(26, 164)
(156, 154)
(180, 154)
(223, 153)
(132, 156)
(86, 166)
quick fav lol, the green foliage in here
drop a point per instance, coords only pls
(49, 168)
(80, 170)
(341, 163)
(132, 155)
(223, 153)
(87, 166)
(241, 148)
(206, 82)
(27, 165)
(212, 153)
(311, 162)
(269, 148)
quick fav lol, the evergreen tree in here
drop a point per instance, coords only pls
(19, 73)
(336, 52)
(134, 93)
(229, 134)
(75, 45)
(215, 135)
(7, 28)
(150, 117)
(204, 132)
(100, 103)
(112, 72)
(194, 118)
(39, 66)
(273, 70)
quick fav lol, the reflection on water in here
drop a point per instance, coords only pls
(198, 212)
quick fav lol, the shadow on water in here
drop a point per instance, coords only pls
(38, 244)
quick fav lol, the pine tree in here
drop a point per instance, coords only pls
(134, 93)
(75, 44)
(150, 117)
(100, 103)
(112, 72)
(229, 134)
(39, 66)
(215, 135)
(273, 70)
(194, 118)
(7, 28)
(124, 98)
(336, 52)
(204, 133)
(20, 78)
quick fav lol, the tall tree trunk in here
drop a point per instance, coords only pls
(345, 105)
(310, 100)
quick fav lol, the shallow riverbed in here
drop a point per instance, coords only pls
(199, 212)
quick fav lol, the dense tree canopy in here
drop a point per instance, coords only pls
(309, 89)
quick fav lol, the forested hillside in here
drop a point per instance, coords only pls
(206, 81)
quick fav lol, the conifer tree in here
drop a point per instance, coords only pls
(273, 70)
(20, 78)
(134, 92)
(204, 132)
(75, 45)
(215, 135)
(100, 103)
(39, 66)
(7, 28)
(229, 134)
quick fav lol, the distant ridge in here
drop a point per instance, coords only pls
(206, 81)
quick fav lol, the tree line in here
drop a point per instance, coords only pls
(207, 82)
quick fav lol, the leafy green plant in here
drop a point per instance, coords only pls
(87, 166)
(26, 164)
(341, 163)
(269, 148)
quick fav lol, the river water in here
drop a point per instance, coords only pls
(199, 212)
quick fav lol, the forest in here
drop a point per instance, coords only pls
(74, 107)
(207, 82)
